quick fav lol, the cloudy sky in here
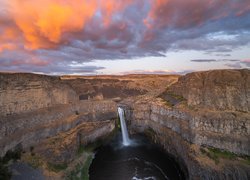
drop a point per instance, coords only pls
(123, 36)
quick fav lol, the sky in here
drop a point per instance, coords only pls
(95, 37)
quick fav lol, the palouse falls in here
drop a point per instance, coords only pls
(124, 90)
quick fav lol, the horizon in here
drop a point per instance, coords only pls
(103, 75)
(98, 37)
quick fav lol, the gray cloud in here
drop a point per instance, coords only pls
(214, 60)
(203, 60)
(239, 64)
(246, 63)
(234, 65)
(223, 55)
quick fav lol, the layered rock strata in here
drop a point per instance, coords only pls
(20, 93)
(183, 126)
(203, 109)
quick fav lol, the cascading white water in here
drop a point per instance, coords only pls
(125, 138)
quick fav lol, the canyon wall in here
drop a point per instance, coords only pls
(217, 90)
(222, 130)
(118, 87)
(194, 113)
(203, 109)
(36, 107)
(31, 128)
(22, 92)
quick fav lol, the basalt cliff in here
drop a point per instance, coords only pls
(202, 118)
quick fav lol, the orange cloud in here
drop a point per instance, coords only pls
(111, 7)
(7, 46)
(157, 7)
(44, 22)
(7, 39)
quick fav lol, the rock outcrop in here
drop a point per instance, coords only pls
(217, 90)
(22, 92)
(63, 147)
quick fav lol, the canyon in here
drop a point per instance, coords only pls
(202, 118)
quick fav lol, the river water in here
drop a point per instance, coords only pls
(141, 160)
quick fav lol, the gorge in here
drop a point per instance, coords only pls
(202, 120)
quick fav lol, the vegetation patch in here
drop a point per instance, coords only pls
(92, 146)
(85, 169)
(171, 99)
(5, 174)
(150, 133)
(246, 160)
(81, 170)
(118, 123)
(33, 160)
(222, 154)
(167, 103)
(177, 97)
(56, 167)
(217, 154)
(14, 155)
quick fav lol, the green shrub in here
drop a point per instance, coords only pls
(246, 160)
(222, 154)
(34, 161)
(203, 151)
(217, 154)
(85, 169)
(57, 167)
(31, 148)
(81, 171)
(12, 155)
(5, 174)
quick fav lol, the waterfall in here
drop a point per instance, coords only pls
(125, 138)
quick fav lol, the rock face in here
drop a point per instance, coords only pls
(217, 90)
(204, 109)
(108, 87)
(36, 107)
(31, 128)
(63, 147)
(177, 130)
(28, 92)
(217, 129)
